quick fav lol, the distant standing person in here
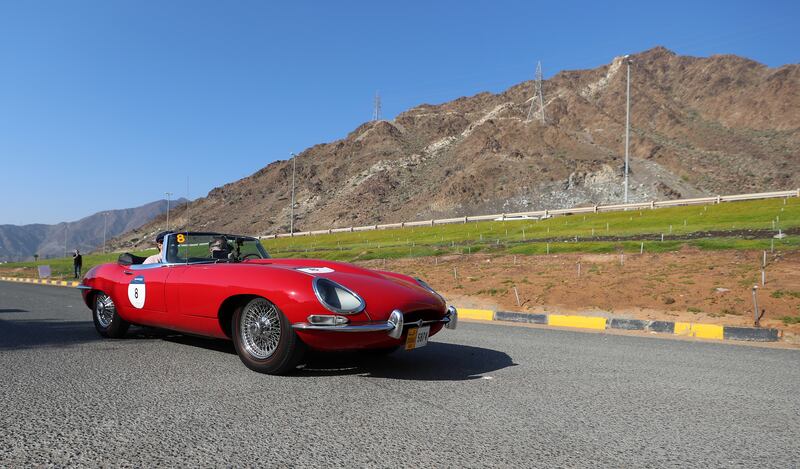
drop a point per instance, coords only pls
(77, 263)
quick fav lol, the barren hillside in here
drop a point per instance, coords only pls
(722, 124)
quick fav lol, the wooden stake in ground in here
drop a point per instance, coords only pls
(455, 273)
(579, 269)
(641, 248)
(756, 316)
(517, 295)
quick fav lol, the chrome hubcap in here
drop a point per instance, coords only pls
(104, 310)
(260, 329)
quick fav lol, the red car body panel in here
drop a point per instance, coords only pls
(191, 298)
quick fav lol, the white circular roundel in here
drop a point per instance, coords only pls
(315, 270)
(136, 292)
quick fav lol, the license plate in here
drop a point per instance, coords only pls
(417, 337)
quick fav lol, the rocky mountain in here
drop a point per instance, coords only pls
(699, 125)
(22, 242)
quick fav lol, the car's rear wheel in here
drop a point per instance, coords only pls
(106, 318)
(264, 338)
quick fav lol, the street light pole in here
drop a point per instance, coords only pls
(66, 232)
(105, 226)
(627, 124)
(169, 194)
(291, 221)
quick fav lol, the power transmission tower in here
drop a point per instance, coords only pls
(376, 112)
(537, 95)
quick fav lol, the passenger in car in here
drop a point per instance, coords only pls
(156, 258)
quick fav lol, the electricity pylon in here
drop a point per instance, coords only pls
(537, 95)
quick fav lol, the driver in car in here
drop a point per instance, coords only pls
(218, 247)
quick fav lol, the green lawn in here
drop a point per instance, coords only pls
(564, 234)
(576, 233)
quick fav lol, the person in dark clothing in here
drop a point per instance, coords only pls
(77, 263)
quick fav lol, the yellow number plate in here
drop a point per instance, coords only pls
(417, 337)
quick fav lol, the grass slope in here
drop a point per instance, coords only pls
(730, 223)
(591, 233)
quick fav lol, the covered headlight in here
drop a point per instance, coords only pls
(336, 297)
(425, 285)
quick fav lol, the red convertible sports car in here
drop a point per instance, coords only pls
(227, 286)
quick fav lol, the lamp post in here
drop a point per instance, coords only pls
(627, 122)
(169, 194)
(105, 226)
(291, 221)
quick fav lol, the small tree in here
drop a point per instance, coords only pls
(36, 257)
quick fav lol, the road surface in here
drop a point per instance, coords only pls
(482, 395)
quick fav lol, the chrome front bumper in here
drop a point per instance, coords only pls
(394, 326)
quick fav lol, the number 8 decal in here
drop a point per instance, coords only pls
(180, 238)
(137, 292)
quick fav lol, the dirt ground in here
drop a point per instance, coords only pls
(689, 285)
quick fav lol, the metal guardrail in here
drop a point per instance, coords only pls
(548, 213)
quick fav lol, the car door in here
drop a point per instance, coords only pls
(142, 292)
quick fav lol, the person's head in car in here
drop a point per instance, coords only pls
(160, 239)
(218, 247)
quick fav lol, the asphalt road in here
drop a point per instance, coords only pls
(483, 395)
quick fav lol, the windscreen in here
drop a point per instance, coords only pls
(191, 248)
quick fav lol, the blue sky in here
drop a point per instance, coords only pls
(109, 104)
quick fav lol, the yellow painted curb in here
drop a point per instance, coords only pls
(702, 331)
(61, 283)
(583, 322)
(479, 314)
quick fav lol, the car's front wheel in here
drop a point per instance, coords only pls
(264, 338)
(106, 318)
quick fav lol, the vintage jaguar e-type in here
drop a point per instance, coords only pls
(227, 286)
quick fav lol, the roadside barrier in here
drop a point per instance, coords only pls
(701, 331)
(549, 213)
(58, 283)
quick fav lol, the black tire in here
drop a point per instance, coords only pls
(107, 321)
(259, 345)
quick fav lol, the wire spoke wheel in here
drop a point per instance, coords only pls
(104, 310)
(260, 329)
